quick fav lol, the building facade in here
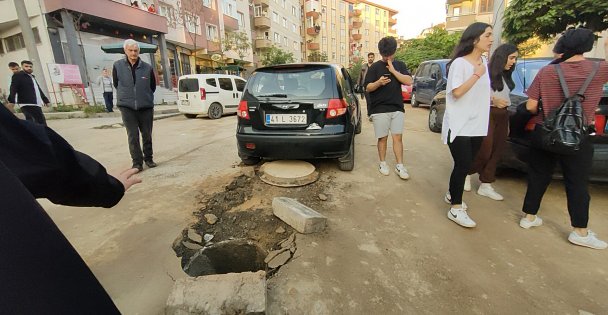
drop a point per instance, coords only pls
(277, 23)
(371, 23)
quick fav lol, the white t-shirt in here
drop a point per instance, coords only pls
(469, 114)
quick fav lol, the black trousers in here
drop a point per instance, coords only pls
(368, 103)
(137, 121)
(33, 113)
(108, 98)
(575, 168)
(463, 151)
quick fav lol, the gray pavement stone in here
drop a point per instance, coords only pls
(302, 218)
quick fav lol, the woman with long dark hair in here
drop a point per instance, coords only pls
(575, 167)
(501, 66)
(466, 117)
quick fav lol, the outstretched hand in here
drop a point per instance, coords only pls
(127, 177)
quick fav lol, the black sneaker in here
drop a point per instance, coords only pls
(138, 166)
(151, 164)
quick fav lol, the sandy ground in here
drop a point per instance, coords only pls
(389, 247)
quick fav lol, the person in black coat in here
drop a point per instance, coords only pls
(31, 98)
(40, 271)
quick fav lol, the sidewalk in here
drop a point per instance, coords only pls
(160, 111)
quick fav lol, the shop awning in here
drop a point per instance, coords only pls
(117, 48)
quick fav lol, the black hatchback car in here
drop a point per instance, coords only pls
(299, 111)
(431, 78)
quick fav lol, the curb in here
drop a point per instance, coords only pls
(121, 125)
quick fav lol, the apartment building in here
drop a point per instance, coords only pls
(277, 23)
(371, 22)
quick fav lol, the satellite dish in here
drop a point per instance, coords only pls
(216, 57)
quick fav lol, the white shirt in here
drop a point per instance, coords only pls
(468, 115)
(39, 101)
(504, 94)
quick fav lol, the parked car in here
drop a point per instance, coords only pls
(406, 92)
(299, 111)
(517, 147)
(430, 79)
(212, 95)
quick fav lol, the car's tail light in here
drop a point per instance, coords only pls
(243, 110)
(203, 94)
(336, 107)
(250, 146)
(600, 124)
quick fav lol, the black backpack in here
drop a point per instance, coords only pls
(565, 128)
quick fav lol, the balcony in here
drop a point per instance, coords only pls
(392, 21)
(357, 36)
(313, 46)
(460, 22)
(263, 3)
(314, 31)
(262, 22)
(263, 43)
(230, 23)
(357, 24)
(315, 15)
(312, 6)
(355, 12)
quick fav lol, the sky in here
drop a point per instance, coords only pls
(415, 15)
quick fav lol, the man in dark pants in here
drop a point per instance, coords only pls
(364, 69)
(135, 85)
(41, 273)
(25, 88)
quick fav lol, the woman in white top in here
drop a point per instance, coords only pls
(501, 68)
(466, 117)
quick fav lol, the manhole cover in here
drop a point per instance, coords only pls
(288, 173)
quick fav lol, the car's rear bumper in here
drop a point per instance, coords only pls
(296, 146)
(196, 108)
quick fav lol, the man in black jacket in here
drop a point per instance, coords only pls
(40, 271)
(135, 85)
(31, 98)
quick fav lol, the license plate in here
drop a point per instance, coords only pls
(185, 102)
(285, 119)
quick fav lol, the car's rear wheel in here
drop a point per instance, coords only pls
(250, 160)
(413, 100)
(434, 124)
(215, 111)
(347, 162)
(190, 116)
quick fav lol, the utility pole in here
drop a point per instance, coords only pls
(30, 43)
(499, 12)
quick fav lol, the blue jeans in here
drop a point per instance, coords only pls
(108, 98)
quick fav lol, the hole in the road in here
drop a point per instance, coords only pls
(231, 256)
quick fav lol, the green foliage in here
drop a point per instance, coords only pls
(65, 108)
(276, 56)
(316, 56)
(237, 42)
(525, 19)
(355, 69)
(438, 44)
(90, 110)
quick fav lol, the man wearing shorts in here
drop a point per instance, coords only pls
(383, 83)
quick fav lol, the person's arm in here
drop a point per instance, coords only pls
(13, 90)
(45, 99)
(461, 90)
(401, 77)
(114, 77)
(532, 106)
(152, 81)
(377, 84)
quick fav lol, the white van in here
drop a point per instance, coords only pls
(211, 95)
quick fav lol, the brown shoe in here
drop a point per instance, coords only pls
(151, 164)
(138, 166)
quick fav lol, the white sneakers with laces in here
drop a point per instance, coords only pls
(448, 200)
(486, 190)
(590, 240)
(402, 171)
(384, 168)
(460, 216)
(526, 224)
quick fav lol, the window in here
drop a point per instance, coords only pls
(486, 6)
(366, 32)
(295, 45)
(284, 22)
(208, 3)
(211, 82)
(1, 47)
(342, 32)
(377, 11)
(241, 19)
(333, 26)
(188, 85)
(284, 3)
(377, 22)
(293, 11)
(456, 11)
(192, 23)
(366, 8)
(225, 84)
(342, 19)
(436, 71)
(285, 41)
(323, 9)
(293, 27)
(342, 47)
(324, 41)
(333, 14)
(333, 56)
(211, 32)
(277, 38)
(258, 11)
(341, 6)
(14, 42)
(323, 25)
(240, 85)
(275, 16)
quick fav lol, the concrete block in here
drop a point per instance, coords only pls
(233, 293)
(302, 218)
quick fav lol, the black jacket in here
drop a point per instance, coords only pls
(40, 272)
(23, 86)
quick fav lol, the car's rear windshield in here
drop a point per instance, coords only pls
(528, 70)
(305, 82)
(188, 85)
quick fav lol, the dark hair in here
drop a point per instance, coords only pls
(26, 62)
(574, 41)
(13, 64)
(467, 41)
(371, 54)
(387, 46)
(497, 70)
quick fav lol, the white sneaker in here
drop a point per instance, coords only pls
(487, 190)
(526, 224)
(448, 200)
(384, 168)
(402, 171)
(461, 217)
(590, 240)
(467, 183)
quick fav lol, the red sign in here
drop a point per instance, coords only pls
(64, 74)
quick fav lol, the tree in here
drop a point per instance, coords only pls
(316, 56)
(525, 19)
(189, 16)
(355, 69)
(438, 44)
(276, 56)
(237, 42)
